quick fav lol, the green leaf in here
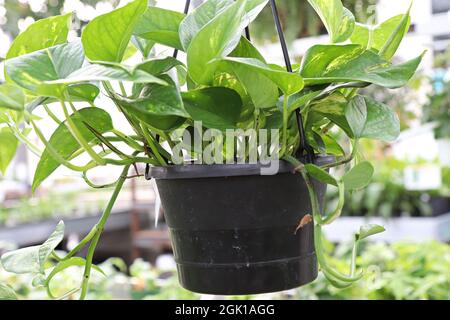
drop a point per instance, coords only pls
(50, 244)
(34, 71)
(157, 66)
(347, 26)
(7, 293)
(98, 72)
(209, 10)
(393, 42)
(359, 176)
(33, 259)
(9, 144)
(22, 261)
(159, 106)
(38, 281)
(161, 26)
(143, 45)
(338, 21)
(217, 108)
(160, 122)
(163, 100)
(262, 91)
(40, 35)
(289, 83)
(65, 144)
(320, 175)
(332, 146)
(369, 230)
(356, 115)
(231, 81)
(382, 122)
(333, 108)
(214, 41)
(6, 114)
(326, 64)
(11, 97)
(300, 99)
(106, 38)
(245, 49)
(201, 16)
(379, 35)
(83, 92)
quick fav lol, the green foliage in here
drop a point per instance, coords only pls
(352, 63)
(34, 71)
(33, 259)
(8, 150)
(320, 175)
(106, 37)
(43, 34)
(380, 37)
(11, 97)
(161, 26)
(368, 230)
(399, 271)
(359, 176)
(436, 111)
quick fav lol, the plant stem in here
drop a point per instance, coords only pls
(82, 244)
(79, 137)
(152, 145)
(56, 156)
(122, 89)
(322, 260)
(353, 263)
(127, 140)
(98, 229)
(52, 115)
(22, 138)
(299, 167)
(337, 212)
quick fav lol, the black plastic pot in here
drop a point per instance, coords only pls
(439, 205)
(233, 230)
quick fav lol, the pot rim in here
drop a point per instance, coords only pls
(195, 171)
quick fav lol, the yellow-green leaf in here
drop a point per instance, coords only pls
(106, 37)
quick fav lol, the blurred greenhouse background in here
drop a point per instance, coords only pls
(410, 193)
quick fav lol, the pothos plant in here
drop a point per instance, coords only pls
(225, 84)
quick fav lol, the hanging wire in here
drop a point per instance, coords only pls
(175, 55)
(247, 34)
(303, 141)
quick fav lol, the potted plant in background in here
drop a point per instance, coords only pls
(437, 111)
(235, 228)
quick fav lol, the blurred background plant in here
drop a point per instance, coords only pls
(397, 271)
(438, 109)
(300, 20)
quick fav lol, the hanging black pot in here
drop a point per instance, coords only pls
(233, 230)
